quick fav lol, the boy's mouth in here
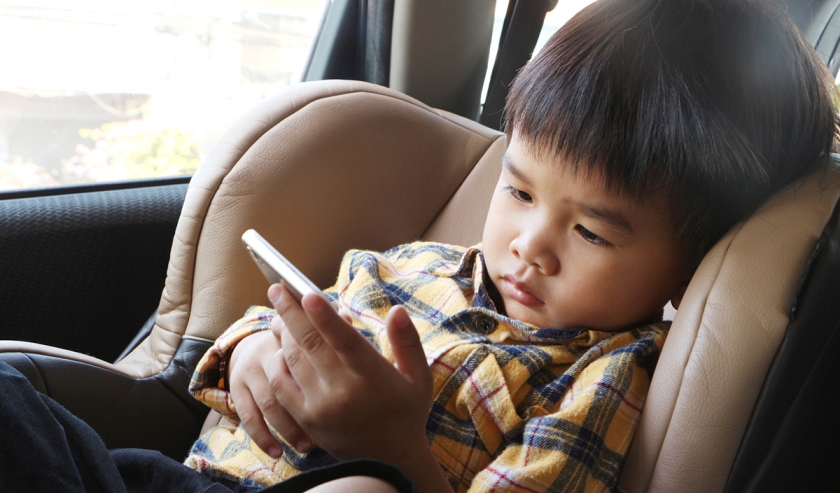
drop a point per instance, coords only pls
(520, 292)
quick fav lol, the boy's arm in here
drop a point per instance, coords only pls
(235, 370)
(209, 383)
(350, 399)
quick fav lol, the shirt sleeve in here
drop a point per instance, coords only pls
(209, 381)
(580, 446)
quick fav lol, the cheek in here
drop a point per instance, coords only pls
(498, 231)
(635, 275)
(495, 225)
(492, 248)
(591, 276)
(644, 285)
(662, 263)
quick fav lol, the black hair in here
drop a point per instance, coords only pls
(721, 101)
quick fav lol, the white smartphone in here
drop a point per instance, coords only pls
(275, 267)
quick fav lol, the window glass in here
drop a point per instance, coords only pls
(110, 90)
(564, 11)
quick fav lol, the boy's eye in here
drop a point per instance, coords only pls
(590, 236)
(517, 194)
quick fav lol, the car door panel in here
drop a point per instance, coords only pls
(83, 271)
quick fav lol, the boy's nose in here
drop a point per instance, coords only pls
(534, 249)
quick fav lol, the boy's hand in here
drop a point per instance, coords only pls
(350, 399)
(253, 359)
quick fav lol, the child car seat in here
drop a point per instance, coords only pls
(326, 166)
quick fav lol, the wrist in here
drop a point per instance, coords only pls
(250, 344)
(420, 464)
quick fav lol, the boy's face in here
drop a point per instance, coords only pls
(564, 253)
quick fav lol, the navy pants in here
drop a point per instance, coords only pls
(43, 447)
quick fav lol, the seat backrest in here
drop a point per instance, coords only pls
(318, 169)
(723, 339)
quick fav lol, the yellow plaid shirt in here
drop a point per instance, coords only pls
(517, 407)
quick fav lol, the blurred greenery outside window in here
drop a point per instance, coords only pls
(111, 90)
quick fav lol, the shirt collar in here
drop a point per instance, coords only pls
(472, 266)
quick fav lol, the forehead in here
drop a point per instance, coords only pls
(523, 157)
(585, 186)
(617, 178)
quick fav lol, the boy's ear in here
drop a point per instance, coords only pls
(677, 297)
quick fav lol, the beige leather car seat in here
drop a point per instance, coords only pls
(326, 166)
(319, 169)
(724, 336)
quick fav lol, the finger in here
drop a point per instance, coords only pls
(338, 333)
(264, 405)
(274, 291)
(287, 393)
(303, 376)
(298, 324)
(407, 348)
(277, 326)
(254, 424)
(345, 314)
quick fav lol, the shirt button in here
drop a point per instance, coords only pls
(485, 325)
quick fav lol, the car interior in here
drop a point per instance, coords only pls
(110, 294)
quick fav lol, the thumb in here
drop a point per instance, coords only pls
(408, 351)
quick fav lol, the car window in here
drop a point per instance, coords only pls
(112, 90)
(564, 11)
(556, 18)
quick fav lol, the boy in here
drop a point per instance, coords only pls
(640, 134)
